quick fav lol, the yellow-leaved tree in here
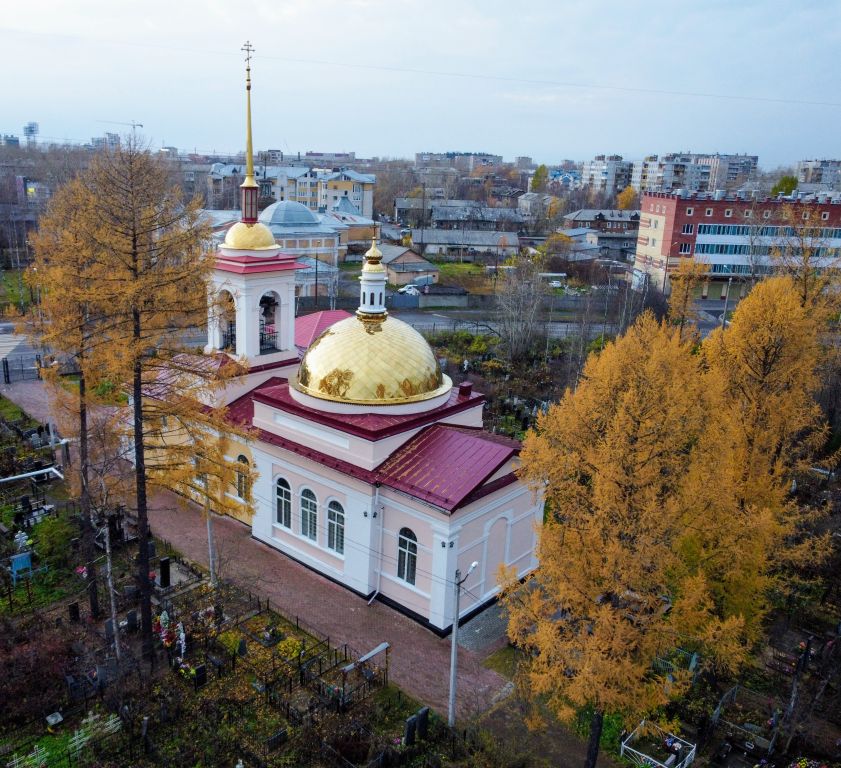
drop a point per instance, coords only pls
(610, 595)
(742, 527)
(685, 281)
(627, 199)
(146, 271)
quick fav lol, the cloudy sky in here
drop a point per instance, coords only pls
(552, 79)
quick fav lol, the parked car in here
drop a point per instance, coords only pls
(556, 284)
(409, 290)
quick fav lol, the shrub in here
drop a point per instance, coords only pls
(52, 540)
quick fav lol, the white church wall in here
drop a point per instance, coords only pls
(350, 567)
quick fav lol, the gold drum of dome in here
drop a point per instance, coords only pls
(371, 361)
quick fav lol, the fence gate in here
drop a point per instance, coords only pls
(20, 367)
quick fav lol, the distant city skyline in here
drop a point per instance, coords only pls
(551, 80)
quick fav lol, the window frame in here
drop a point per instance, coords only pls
(407, 556)
(286, 520)
(309, 514)
(242, 485)
(336, 527)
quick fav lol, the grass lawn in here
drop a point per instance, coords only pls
(504, 661)
(10, 287)
(11, 412)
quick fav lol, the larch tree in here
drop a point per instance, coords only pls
(65, 322)
(146, 281)
(685, 281)
(539, 179)
(610, 595)
(742, 527)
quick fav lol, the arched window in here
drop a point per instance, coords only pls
(242, 478)
(309, 514)
(372, 298)
(283, 495)
(381, 298)
(407, 555)
(336, 527)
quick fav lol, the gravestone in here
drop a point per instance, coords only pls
(152, 553)
(409, 734)
(163, 572)
(201, 676)
(73, 612)
(131, 621)
(109, 630)
(243, 647)
(21, 565)
(101, 676)
(423, 723)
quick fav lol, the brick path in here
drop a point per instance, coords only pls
(419, 660)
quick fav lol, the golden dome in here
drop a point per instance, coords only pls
(249, 237)
(372, 361)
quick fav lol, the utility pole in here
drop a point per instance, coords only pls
(726, 302)
(451, 716)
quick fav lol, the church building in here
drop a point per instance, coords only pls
(371, 466)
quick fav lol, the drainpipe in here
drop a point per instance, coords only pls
(376, 511)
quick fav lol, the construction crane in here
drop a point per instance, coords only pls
(134, 125)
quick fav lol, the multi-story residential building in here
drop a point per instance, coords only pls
(464, 161)
(823, 173)
(691, 172)
(735, 236)
(608, 174)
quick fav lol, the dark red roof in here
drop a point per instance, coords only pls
(371, 425)
(445, 464)
(309, 327)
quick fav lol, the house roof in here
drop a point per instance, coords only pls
(371, 425)
(475, 213)
(309, 327)
(601, 214)
(445, 464)
(391, 252)
(468, 237)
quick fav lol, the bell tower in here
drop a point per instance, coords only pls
(251, 298)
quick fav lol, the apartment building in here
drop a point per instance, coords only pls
(735, 236)
(608, 174)
(692, 172)
(822, 173)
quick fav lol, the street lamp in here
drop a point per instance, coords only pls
(451, 716)
(726, 302)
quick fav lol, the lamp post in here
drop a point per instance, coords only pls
(451, 716)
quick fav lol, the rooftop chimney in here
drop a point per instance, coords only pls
(465, 389)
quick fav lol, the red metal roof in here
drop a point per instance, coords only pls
(445, 464)
(309, 327)
(371, 425)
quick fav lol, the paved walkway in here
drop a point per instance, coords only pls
(419, 660)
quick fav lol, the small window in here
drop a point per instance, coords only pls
(653, 241)
(690, 211)
(688, 229)
(728, 212)
(806, 215)
(283, 501)
(655, 224)
(825, 216)
(309, 514)
(372, 299)
(336, 527)
(709, 212)
(748, 214)
(242, 477)
(407, 555)
(685, 249)
(766, 214)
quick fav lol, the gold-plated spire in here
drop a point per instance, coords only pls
(249, 147)
(373, 257)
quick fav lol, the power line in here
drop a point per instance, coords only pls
(454, 74)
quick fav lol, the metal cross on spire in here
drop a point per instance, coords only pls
(249, 49)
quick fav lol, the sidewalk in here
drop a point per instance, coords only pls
(419, 660)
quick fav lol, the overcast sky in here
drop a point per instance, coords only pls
(552, 79)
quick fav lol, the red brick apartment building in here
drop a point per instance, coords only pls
(734, 235)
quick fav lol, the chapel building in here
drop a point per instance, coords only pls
(372, 467)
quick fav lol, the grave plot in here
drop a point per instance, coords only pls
(650, 746)
(749, 720)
